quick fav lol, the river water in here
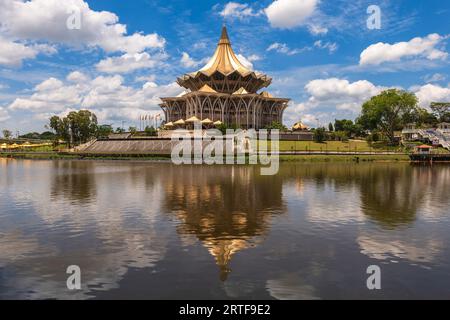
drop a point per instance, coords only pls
(159, 231)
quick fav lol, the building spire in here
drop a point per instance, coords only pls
(224, 39)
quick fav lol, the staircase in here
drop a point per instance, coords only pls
(444, 139)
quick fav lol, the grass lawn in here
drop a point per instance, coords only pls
(344, 158)
(339, 146)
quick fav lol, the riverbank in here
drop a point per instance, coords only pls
(351, 157)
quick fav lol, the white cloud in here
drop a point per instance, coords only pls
(333, 89)
(107, 96)
(3, 115)
(426, 48)
(148, 78)
(431, 93)
(437, 77)
(13, 53)
(316, 29)
(77, 77)
(246, 61)
(237, 10)
(187, 61)
(253, 58)
(284, 49)
(287, 14)
(330, 46)
(45, 20)
(129, 62)
(328, 97)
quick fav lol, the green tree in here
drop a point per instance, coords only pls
(7, 134)
(83, 125)
(330, 127)
(61, 128)
(421, 117)
(76, 127)
(132, 130)
(441, 110)
(120, 130)
(150, 131)
(104, 131)
(388, 112)
(319, 135)
(276, 125)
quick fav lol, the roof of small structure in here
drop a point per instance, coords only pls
(218, 123)
(241, 90)
(193, 119)
(207, 121)
(300, 126)
(266, 94)
(424, 146)
(207, 88)
(169, 124)
(179, 122)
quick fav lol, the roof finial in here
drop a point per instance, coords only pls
(224, 37)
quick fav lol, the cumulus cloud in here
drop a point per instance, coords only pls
(129, 62)
(13, 53)
(340, 90)
(425, 48)
(247, 62)
(287, 14)
(77, 77)
(238, 10)
(46, 20)
(107, 96)
(187, 62)
(327, 97)
(431, 93)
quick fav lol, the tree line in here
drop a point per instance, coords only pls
(384, 114)
(78, 127)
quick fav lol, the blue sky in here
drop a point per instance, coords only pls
(126, 54)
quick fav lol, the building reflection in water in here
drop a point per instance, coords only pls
(114, 217)
(228, 208)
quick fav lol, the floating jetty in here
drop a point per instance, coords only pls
(424, 154)
(443, 157)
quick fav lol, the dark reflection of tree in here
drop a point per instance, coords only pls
(225, 207)
(391, 194)
(73, 180)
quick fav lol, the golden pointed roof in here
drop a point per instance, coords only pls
(241, 91)
(224, 59)
(300, 126)
(179, 122)
(266, 94)
(223, 64)
(193, 119)
(207, 121)
(207, 88)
